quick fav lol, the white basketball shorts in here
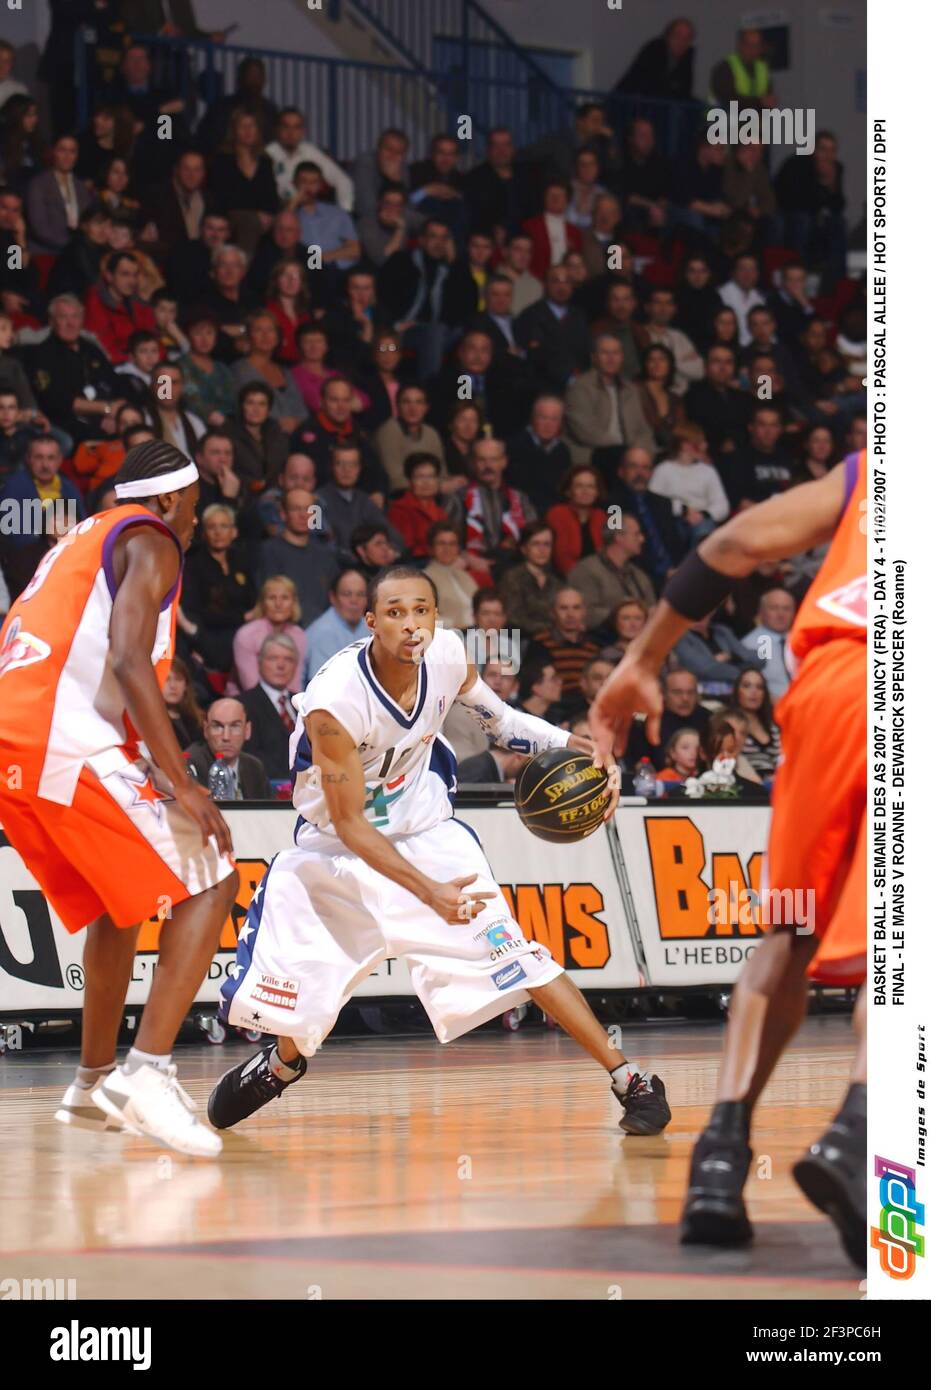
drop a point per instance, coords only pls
(322, 920)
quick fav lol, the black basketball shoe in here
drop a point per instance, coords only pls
(246, 1088)
(832, 1175)
(646, 1110)
(714, 1211)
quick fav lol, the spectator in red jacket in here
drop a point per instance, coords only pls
(113, 310)
(415, 512)
(552, 233)
(579, 520)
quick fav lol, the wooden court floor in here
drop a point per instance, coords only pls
(489, 1168)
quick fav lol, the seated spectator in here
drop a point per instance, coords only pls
(722, 748)
(819, 453)
(499, 191)
(20, 290)
(538, 457)
(594, 674)
(579, 520)
(260, 444)
(278, 611)
(663, 67)
(713, 653)
(268, 706)
(552, 233)
(45, 505)
(501, 389)
(263, 337)
(288, 302)
(248, 95)
(607, 578)
(311, 370)
(553, 334)
(661, 309)
(372, 549)
(15, 435)
(226, 729)
(399, 439)
(351, 325)
(186, 715)
(55, 200)
(335, 423)
(601, 233)
(762, 745)
(529, 588)
(134, 90)
(741, 293)
(717, 405)
(682, 756)
(167, 411)
(618, 322)
(790, 304)
(298, 471)
(497, 317)
(173, 341)
(427, 294)
(767, 641)
(20, 141)
(626, 621)
(208, 383)
(697, 300)
(242, 180)
(810, 191)
(539, 690)
(345, 505)
(391, 227)
(135, 374)
(220, 483)
(384, 382)
(464, 426)
(587, 188)
(603, 411)
(114, 310)
(437, 186)
(748, 190)
(300, 555)
(495, 514)
(494, 765)
(229, 299)
(761, 467)
(647, 182)
(662, 409)
(417, 510)
(692, 485)
(112, 191)
(291, 148)
(725, 331)
(516, 267)
(447, 568)
(97, 460)
(681, 710)
(78, 266)
(323, 225)
(218, 590)
(765, 382)
(386, 164)
(566, 643)
(176, 210)
(699, 202)
(342, 623)
(282, 243)
(664, 546)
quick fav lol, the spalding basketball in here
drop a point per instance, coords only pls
(561, 796)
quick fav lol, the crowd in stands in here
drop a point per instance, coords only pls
(542, 374)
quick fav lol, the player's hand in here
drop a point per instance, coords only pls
(197, 802)
(456, 906)
(632, 688)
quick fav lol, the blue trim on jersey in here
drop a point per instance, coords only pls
(298, 827)
(389, 704)
(443, 763)
(303, 756)
(245, 947)
(473, 833)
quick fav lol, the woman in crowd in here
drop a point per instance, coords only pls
(242, 181)
(465, 426)
(664, 412)
(586, 187)
(691, 483)
(311, 370)
(528, 589)
(578, 521)
(722, 741)
(682, 756)
(263, 336)
(218, 590)
(277, 611)
(109, 134)
(751, 697)
(697, 301)
(168, 413)
(819, 453)
(20, 145)
(112, 188)
(725, 331)
(383, 387)
(450, 573)
(288, 302)
(260, 445)
(420, 507)
(186, 715)
(627, 620)
(208, 384)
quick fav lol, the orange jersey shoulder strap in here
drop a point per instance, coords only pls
(835, 605)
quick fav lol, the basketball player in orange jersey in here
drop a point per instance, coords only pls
(114, 831)
(817, 836)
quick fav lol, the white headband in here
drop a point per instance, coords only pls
(156, 487)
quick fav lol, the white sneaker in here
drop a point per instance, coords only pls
(78, 1110)
(153, 1102)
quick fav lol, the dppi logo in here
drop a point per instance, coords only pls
(896, 1236)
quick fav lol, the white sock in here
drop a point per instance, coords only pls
(285, 1071)
(136, 1059)
(624, 1074)
(87, 1077)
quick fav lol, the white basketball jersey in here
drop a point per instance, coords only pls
(410, 769)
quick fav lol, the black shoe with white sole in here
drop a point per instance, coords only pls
(646, 1110)
(246, 1088)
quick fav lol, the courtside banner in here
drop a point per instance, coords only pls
(566, 897)
(695, 871)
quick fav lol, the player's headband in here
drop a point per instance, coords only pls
(155, 487)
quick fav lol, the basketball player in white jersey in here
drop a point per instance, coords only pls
(381, 867)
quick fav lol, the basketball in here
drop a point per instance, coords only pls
(561, 796)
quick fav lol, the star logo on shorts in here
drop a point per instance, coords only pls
(145, 793)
